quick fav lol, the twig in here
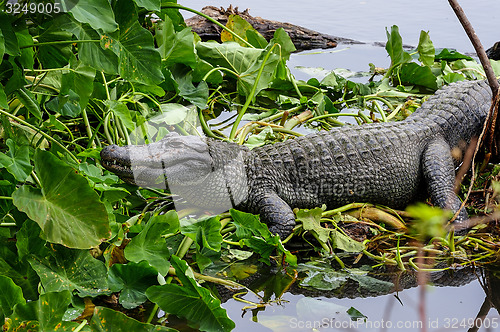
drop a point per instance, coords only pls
(490, 75)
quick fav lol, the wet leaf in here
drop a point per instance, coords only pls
(149, 245)
(107, 320)
(132, 280)
(66, 208)
(190, 301)
(71, 269)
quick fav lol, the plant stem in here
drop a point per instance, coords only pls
(50, 138)
(251, 95)
(59, 42)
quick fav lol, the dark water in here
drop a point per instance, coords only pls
(447, 308)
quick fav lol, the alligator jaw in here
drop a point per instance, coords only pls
(181, 159)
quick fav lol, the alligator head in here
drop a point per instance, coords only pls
(205, 172)
(180, 159)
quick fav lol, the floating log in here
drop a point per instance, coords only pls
(303, 38)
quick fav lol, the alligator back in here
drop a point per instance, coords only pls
(386, 163)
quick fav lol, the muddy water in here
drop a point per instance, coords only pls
(447, 308)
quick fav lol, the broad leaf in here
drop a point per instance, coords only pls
(243, 29)
(66, 209)
(91, 54)
(190, 301)
(17, 161)
(175, 47)
(206, 235)
(132, 280)
(153, 5)
(97, 13)
(394, 47)
(426, 51)
(311, 222)
(412, 73)
(108, 320)
(139, 61)
(71, 269)
(149, 245)
(243, 61)
(10, 295)
(256, 235)
(45, 314)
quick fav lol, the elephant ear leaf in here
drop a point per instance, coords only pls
(67, 210)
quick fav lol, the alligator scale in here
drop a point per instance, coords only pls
(392, 164)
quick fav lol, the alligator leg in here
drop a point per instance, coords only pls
(439, 174)
(277, 214)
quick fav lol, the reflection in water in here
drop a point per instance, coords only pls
(448, 307)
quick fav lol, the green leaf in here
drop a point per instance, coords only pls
(206, 235)
(80, 80)
(175, 47)
(71, 269)
(453, 77)
(257, 236)
(198, 95)
(190, 300)
(132, 279)
(91, 54)
(311, 222)
(11, 46)
(149, 245)
(394, 47)
(108, 320)
(27, 54)
(139, 61)
(10, 295)
(426, 51)
(3, 98)
(121, 111)
(345, 243)
(243, 29)
(45, 314)
(67, 209)
(286, 46)
(97, 13)
(17, 160)
(450, 55)
(172, 113)
(153, 5)
(412, 73)
(243, 61)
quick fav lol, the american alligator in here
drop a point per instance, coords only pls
(391, 164)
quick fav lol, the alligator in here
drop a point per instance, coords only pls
(392, 164)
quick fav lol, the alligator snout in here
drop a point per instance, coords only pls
(113, 155)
